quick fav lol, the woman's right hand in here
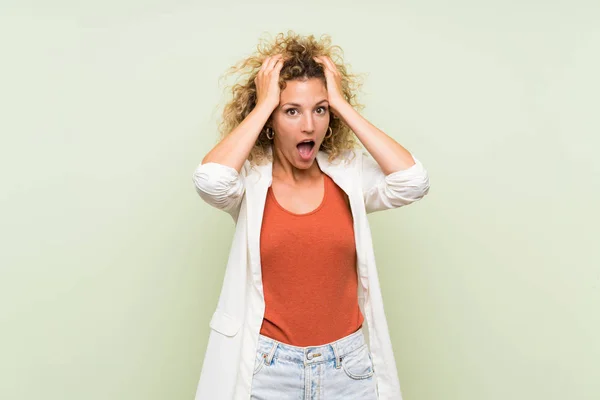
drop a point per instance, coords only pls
(267, 82)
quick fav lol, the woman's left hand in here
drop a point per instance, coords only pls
(334, 82)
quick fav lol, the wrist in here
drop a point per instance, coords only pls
(264, 108)
(341, 108)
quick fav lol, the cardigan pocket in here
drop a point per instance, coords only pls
(225, 323)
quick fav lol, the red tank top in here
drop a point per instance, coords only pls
(309, 271)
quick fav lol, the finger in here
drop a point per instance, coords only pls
(324, 64)
(273, 61)
(269, 62)
(330, 64)
(264, 64)
(276, 68)
(279, 65)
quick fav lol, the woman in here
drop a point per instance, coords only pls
(300, 315)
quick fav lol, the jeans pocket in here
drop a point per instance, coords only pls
(358, 363)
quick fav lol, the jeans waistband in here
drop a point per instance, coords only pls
(271, 348)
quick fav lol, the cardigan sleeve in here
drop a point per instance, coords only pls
(395, 190)
(220, 186)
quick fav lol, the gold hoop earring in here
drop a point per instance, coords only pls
(270, 133)
(330, 134)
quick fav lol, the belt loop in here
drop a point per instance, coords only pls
(338, 359)
(269, 357)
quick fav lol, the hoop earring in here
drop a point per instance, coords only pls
(330, 134)
(271, 132)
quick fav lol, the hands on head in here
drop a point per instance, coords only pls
(267, 81)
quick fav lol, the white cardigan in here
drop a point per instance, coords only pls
(235, 325)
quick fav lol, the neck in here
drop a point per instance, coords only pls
(284, 170)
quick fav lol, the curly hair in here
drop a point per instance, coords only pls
(299, 65)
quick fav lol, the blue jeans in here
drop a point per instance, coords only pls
(339, 370)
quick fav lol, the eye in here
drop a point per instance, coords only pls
(290, 109)
(324, 110)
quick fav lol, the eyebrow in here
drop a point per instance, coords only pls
(300, 105)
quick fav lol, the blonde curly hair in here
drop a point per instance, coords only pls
(298, 51)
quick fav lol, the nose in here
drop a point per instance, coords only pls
(308, 124)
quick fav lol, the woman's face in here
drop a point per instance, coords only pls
(300, 121)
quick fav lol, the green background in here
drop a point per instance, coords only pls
(111, 264)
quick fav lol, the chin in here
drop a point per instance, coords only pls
(297, 162)
(304, 165)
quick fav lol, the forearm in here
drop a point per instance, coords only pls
(235, 148)
(388, 153)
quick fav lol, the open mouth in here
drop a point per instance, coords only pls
(305, 149)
